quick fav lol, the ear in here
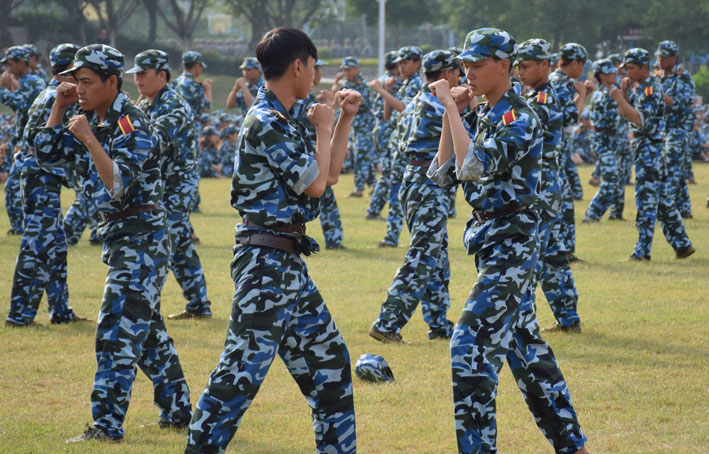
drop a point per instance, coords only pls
(505, 67)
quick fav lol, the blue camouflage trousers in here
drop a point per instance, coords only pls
(185, 264)
(330, 218)
(568, 229)
(553, 272)
(364, 157)
(131, 331)
(13, 199)
(611, 190)
(277, 309)
(425, 274)
(572, 173)
(677, 170)
(41, 262)
(81, 213)
(381, 190)
(499, 323)
(654, 199)
(395, 216)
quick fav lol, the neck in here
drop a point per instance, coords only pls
(152, 97)
(567, 70)
(541, 82)
(102, 110)
(283, 89)
(494, 95)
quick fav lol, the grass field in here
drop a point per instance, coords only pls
(638, 373)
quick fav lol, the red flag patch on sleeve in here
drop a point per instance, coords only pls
(542, 97)
(648, 91)
(126, 125)
(509, 117)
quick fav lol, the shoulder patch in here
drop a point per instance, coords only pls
(509, 117)
(542, 97)
(648, 91)
(126, 125)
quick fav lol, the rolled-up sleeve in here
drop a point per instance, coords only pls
(443, 176)
(472, 168)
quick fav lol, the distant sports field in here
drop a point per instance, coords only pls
(638, 374)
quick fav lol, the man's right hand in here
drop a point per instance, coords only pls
(6, 80)
(240, 83)
(321, 116)
(625, 83)
(66, 94)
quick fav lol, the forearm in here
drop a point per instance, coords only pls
(579, 101)
(459, 136)
(56, 116)
(102, 162)
(231, 98)
(391, 100)
(248, 97)
(338, 147)
(445, 146)
(322, 157)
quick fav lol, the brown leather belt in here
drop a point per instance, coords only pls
(127, 212)
(283, 228)
(482, 216)
(419, 163)
(268, 240)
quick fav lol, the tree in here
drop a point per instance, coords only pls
(75, 13)
(184, 24)
(152, 8)
(267, 14)
(112, 14)
(399, 13)
(6, 6)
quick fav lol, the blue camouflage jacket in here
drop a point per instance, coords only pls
(647, 99)
(20, 100)
(545, 104)
(678, 84)
(565, 93)
(241, 102)
(425, 121)
(604, 111)
(192, 92)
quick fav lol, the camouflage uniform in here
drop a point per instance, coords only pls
(604, 142)
(276, 308)
(652, 195)
(249, 63)
(383, 130)
(81, 214)
(678, 84)
(408, 90)
(502, 171)
(362, 126)
(227, 151)
(41, 263)
(136, 248)
(564, 87)
(171, 120)
(425, 274)
(552, 271)
(20, 100)
(208, 154)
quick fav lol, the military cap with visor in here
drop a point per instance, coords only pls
(637, 56)
(16, 53)
(250, 63)
(62, 54)
(97, 57)
(32, 48)
(151, 59)
(667, 49)
(349, 62)
(192, 56)
(409, 53)
(573, 52)
(488, 42)
(440, 60)
(603, 66)
(533, 49)
(615, 58)
(390, 57)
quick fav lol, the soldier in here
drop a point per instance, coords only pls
(552, 271)
(383, 130)
(18, 95)
(625, 153)
(678, 88)
(208, 152)
(34, 62)
(172, 121)
(362, 125)
(227, 151)
(643, 108)
(409, 61)
(572, 96)
(425, 273)
(604, 141)
(117, 163)
(41, 262)
(277, 308)
(246, 87)
(496, 152)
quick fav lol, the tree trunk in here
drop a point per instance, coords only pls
(151, 6)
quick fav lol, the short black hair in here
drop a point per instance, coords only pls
(168, 76)
(567, 62)
(105, 76)
(432, 76)
(190, 65)
(282, 46)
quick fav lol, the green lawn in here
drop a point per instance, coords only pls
(637, 374)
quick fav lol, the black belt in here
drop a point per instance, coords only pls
(268, 240)
(420, 163)
(283, 228)
(482, 216)
(127, 212)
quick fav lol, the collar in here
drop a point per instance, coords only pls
(113, 114)
(275, 104)
(493, 115)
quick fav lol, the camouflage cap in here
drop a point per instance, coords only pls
(637, 56)
(192, 56)
(250, 63)
(373, 368)
(439, 60)
(456, 50)
(319, 63)
(63, 54)
(32, 48)
(408, 53)
(98, 57)
(349, 62)
(573, 51)
(209, 130)
(533, 49)
(231, 129)
(667, 49)
(151, 59)
(615, 58)
(390, 57)
(16, 53)
(604, 66)
(488, 42)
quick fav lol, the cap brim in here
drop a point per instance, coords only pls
(136, 69)
(69, 71)
(3, 60)
(472, 57)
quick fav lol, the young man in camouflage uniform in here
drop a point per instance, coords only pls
(362, 125)
(41, 263)
(643, 107)
(500, 170)
(572, 96)
(552, 271)
(604, 141)
(409, 61)
(172, 121)
(277, 308)
(34, 63)
(624, 154)
(18, 96)
(678, 93)
(383, 131)
(246, 88)
(117, 162)
(425, 274)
